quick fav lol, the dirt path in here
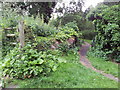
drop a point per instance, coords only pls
(84, 61)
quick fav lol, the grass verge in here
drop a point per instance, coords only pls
(102, 64)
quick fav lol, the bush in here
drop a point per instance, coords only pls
(44, 43)
(88, 34)
(65, 32)
(73, 20)
(39, 27)
(61, 35)
(44, 30)
(108, 32)
(27, 63)
(72, 25)
(64, 47)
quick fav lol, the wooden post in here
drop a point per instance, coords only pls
(0, 33)
(21, 34)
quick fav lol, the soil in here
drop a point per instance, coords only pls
(84, 61)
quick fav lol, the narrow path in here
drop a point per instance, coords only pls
(84, 61)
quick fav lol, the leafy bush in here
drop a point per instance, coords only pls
(9, 18)
(64, 47)
(62, 34)
(108, 32)
(88, 34)
(72, 25)
(44, 43)
(27, 63)
(39, 27)
(73, 19)
(44, 30)
(65, 32)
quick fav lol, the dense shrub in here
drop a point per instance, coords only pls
(44, 43)
(64, 47)
(76, 19)
(39, 27)
(88, 34)
(8, 19)
(27, 62)
(44, 30)
(65, 33)
(62, 34)
(72, 25)
(108, 32)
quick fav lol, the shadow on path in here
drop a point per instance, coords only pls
(84, 61)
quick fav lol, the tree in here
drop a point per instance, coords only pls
(35, 8)
(110, 3)
(73, 7)
(95, 13)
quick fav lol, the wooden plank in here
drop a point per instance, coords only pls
(13, 43)
(10, 28)
(10, 35)
(21, 33)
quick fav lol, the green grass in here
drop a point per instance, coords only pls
(69, 75)
(88, 41)
(102, 64)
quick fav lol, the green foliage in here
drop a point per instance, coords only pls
(64, 47)
(95, 12)
(39, 27)
(35, 8)
(44, 30)
(88, 34)
(109, 38)
(44, 43)
(77, 19)
(27, 63)
(88, 41)
(108, 32)
(69, 75)
(65, 32)
(102, 64)
(73, 25)
(62, 34)
(9, 19)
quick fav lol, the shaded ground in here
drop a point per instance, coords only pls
(84, 61)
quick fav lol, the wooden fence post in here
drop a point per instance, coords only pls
(0, 31)
(21, 34)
